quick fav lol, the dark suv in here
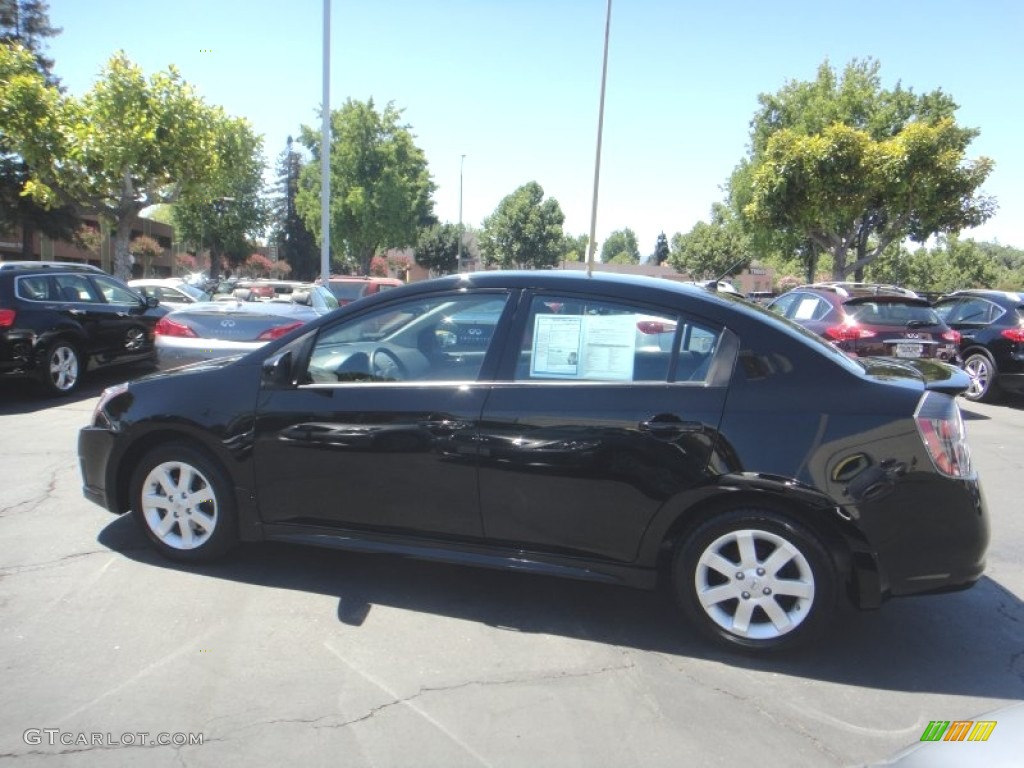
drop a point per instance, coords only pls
(868, 320)
(991, 326)
(59, 320)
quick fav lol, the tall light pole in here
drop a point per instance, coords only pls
(462, 162)
(325, 155)
(597, 161)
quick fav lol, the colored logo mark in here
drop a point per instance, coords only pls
(958, 730)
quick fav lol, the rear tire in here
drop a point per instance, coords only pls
(754, 580)
(982, 370)
(61, 368)
(184, 504)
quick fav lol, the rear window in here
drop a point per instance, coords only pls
(891, 313)
(348, 290)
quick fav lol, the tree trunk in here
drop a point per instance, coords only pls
(26, 240)
(122, 266)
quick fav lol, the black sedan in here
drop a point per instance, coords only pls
(516, 420)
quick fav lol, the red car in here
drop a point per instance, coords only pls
(349, 288)
(871, 320)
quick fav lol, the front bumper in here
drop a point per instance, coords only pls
(95, 446)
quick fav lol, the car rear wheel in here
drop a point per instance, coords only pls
(982, 371)
(61, 369)
(184, 504)
(752, 579)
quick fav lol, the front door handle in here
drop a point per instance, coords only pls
(669, 426)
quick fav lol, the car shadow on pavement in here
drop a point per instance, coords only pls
(18, 396)
(967, 643)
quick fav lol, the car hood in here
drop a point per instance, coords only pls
(940, 377)
(200, 367)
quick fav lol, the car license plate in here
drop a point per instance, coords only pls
(909, 350)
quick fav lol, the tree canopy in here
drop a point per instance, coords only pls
(380, 184)
(438, 248)
(525, 231)
(711, 250)
(228, 212)
(661, 250)
(843, 166)
(295, 243)
(620, 247)
(26, 23)
(129, 143)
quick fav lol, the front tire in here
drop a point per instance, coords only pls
(183, 502)
(752, 579)
(982, 371)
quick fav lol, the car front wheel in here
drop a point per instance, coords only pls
(982, 371)
(184, 504)
(752, 579)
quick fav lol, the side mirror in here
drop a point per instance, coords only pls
(152, 302)
(277, 369)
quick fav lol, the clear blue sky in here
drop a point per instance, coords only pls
(514, 84)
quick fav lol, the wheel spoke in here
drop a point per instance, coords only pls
(794, 588)
(186, 534)
(203, 520)
(777, 559)
(155, 500)
(166, 524)
(779, 618)
(748, 554)
(716, 562)
(719, 594)
(741, 619)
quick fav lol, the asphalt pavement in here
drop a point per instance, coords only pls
(112, 656)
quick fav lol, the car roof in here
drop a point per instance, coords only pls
(846, 289)
(64, 266)
(636, 287)
(988, 293)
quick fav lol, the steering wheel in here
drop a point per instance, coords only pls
(385, 366)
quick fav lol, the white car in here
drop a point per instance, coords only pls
(173, 291)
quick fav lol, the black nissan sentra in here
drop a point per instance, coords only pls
(524, 420)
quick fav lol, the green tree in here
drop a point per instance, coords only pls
(525, 231)
(438, 248)
(841, 166)
(661, 250)
(26, 24)
(380, 185)
(295, 243)
(711, 250)
(620, 248)
(227, 212)
(575, 247)
(125, 145)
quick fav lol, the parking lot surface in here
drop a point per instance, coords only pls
(287, 655)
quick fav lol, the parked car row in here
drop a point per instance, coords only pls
(980, 330)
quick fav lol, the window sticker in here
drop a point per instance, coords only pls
(584, 347)
(805, 309)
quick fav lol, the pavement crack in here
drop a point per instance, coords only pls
(29, 505)
(9, 570)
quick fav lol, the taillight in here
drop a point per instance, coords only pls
(7, 318)
(1013, 334)
(848, 332)
(655, 326)
(952, 336)
(942, 431)
(167, 327)
(278, 331)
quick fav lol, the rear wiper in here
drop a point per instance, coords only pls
(919, 323)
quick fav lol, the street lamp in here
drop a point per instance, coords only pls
(462, 162)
